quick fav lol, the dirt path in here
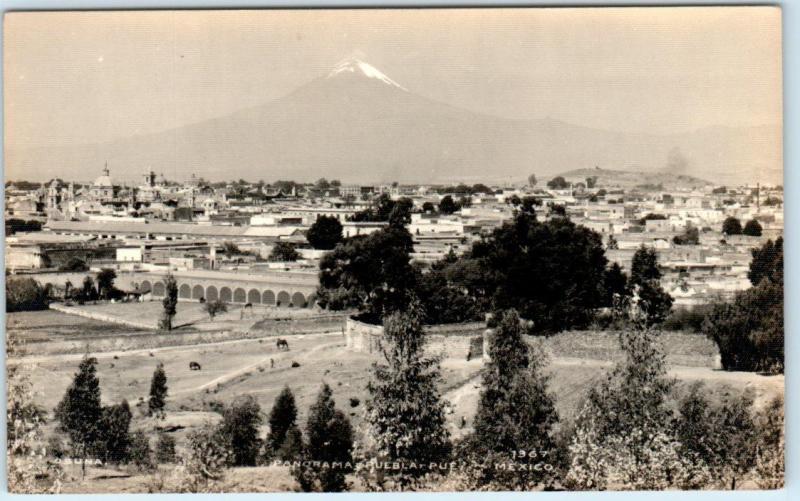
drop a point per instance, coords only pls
(278, 355)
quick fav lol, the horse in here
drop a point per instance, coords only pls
(194, 366)
(282, 344)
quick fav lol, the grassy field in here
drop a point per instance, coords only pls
(234, 366)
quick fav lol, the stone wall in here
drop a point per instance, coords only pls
(467, 340)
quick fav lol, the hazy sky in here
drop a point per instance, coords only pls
(85, 77)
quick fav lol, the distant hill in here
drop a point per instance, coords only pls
(608, 178)
(358, 125)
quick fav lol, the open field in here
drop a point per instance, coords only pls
(233, 365)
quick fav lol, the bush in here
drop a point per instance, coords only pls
(141, 455)
(208, 455)
(165, 449)
(240, 424)
(687, 319)
(25, 294)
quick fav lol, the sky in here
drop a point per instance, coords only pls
(84, 77)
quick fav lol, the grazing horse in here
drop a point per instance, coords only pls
(194, 366)
(282, 344)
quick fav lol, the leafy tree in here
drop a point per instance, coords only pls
(752, 228)
(653, 301)
(528, 204)
(532, 180)
(170, 303)
(400, 214)
(330, 442)
(615, 282)
(105, 283)
(591, 182)
(208, 455)
(231, 249)
(447, 205)
(165, 449)
(558, 183)
(283, 252)
(79, 412)
(325, 233)
(372, 273)
(551, 272)
(445, 300)
(214, 308)
(625, 418)
(731, 226)
(689, 237)
(74, 264)
(240, 423)
(770, 454)
(158, 392)
(514, 200)
(404, 413)
(515, 412)
(114, 436)
(767, 263)
(557, 210)
(322, 184)
(749, 330)
(25, 294)
(282, 418)
(428, 207)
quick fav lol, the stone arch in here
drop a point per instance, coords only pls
(283, 298)
(254, 297)
(225, 294)
(239, 295)
(159, 289)
(298, 300)
(146, 287)
(185, 291)
(197, 292)
(312, 300)
(268, 297)
(211, 293)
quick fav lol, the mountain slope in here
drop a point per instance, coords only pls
(358, 125)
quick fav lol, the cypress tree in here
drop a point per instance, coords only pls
(515, 413)
(282, 418)
(158, 392)
(405, 412)
(79, 412)
(170, 303)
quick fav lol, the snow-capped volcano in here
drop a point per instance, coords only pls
(359, 67)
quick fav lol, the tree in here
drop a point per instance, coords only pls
(88, 291)
(404, 413)
(214, 308)
(322, 184)
(532, 180)
(105, 283)
(767, 262)
(230, 249)
(79, 412)
(74, 264)
(25, 294)
(529, 204)
(240, 423)
(515, 412)
(731, 226)
(622, 433)
(329, 442)
(749, 330)
(651, 299)
(428, 207)
(752, 228)
(282, 417)
(615, 282)
(372, 273)
(558, 183)
(283, 252)
(591, 182)
(325, 233)
(208, 455)
(689, 237)
(114, 436)
(447, 205)
(170, 303)
(158, 392)
(551, 272)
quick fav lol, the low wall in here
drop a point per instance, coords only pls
(100, 316)
(467, 340)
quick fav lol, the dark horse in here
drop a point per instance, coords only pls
(282, 344)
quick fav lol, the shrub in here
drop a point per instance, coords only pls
(141, 455)
(240, 423)
(165, 449)
(208, 455)
(25, 294)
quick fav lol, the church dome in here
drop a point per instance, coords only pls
(104, 180)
